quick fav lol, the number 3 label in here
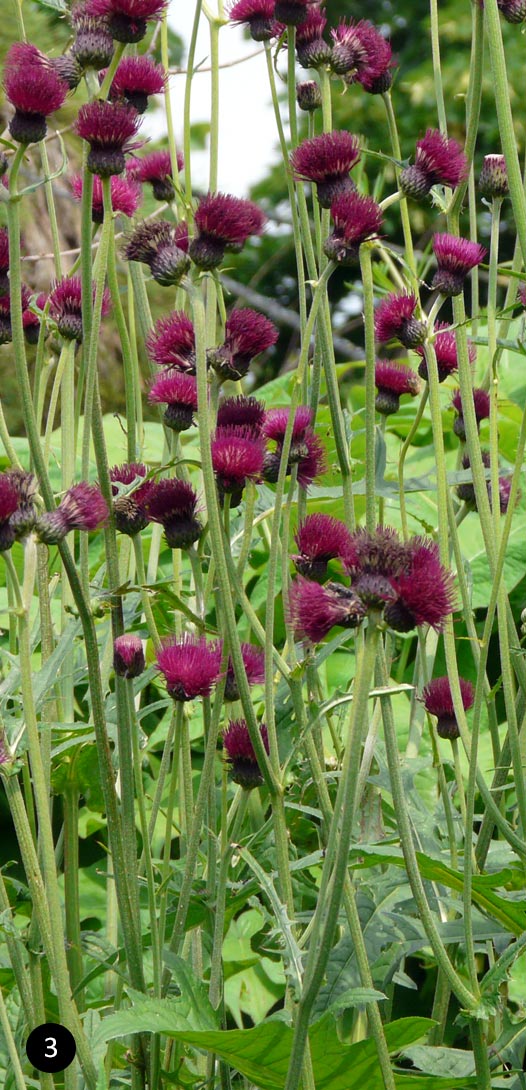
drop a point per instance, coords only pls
(51, 1048)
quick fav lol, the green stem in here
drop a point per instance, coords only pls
(187, 126)
(437, 69)
(214, 991)
(71, 892)
(12, 1050)
(404, 208)
(130, 374)
(370, 388)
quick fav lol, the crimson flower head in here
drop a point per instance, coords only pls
(93, 45)
(259, 17)
(108, 128)
(247, 334)
(65, 307)
(241, 412)
(356, 219)
(4, 260)
(445, 346)
(455, 259)
(237, 457)
(292, 12)
(392, 379)
(361, 55)
(173, 503)
(171, 342)
(319, 538)
(126, 195)
(158, 245)
(481, 403)
(314, 609)
(128, 656)
(395, 320)
(439, 160)
(223, 223)
(156, 169)
(135, 79)
(327, 160)
(438, 700)
(311, 48)
(178, 391)
(306, 449)
(127, 19)
(130, 490)
(254, 663)
(424, 591)
(82, 507)
(34, 88)
(191, 666)
(9, 500)
(240, 755)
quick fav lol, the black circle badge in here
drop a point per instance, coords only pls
(51, 1047)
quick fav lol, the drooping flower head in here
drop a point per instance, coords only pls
(82, 507)
(356, 219)
(392, 379)
(237, 457)
(173, 503)
(314, 609)
(127, 19)
(455, 259)
(8, 505)
(438, 700)
(319, 538)
(65, 307)
(191, 666)
(259, 17)
(254, 663)
(247, 334)
(481, 404)
(425, 592)
(135, 79)
(171, 342)
(327, 160)
(93, 45)
(493, 179)
(223, 222)
(34, 88)
(128, 656)
(157, 245)
(240, 755)
(178, 391)
(130, 490)
(308, 95)
(241, 412)
(445, 345)
(362, 55)
(126, 195)
(156, 169)
(439, 160)
(394, 319)
(311, 48)
(108, 127)
(306, 449)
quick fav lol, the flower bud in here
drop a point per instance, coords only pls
(128, 656)
(308, 95)
(493, 180)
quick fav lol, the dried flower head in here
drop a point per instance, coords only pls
(254, 663)
(240, 755)
(223, 222)
(171, 343)
(319, 538)
(327, 160)
(9, 500)
(439, 160)
(127, 19)
(395, 320)
(93, 45)
(493, 179)
(425, 592)
(311, 48)
(135, 79)
(445, 345)
(34, 88)
(191, 666)
(237, 457)
(361, 55)
(65, 306)
(108, 127)
(247, 334)
(157, 245)
(481, 404)
(156, 169)
(128, 656)
(82, 507)
(130, 490)
(455, 259)
(314, 609)
(126, 195)
(173, 503)
(241, 412)
(392, 379)
(178, 391)
(438, 700)
(308, 95)
(356, 218)
(258, 15)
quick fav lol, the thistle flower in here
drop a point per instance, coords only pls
(65, 306)
(481, 404)
(292, 12)
(327, 160)
(308, 95)
(191, 666)
(361, 55)
(6, 332)
(493, 179)
(31, 322)
(108, 128)
(247, 334)
(254, 663)
(394, 320)
(129, 506)
(23, 519)
(178, 392)
(240, 756)
(314, 609)
(319, 538)
(306, 449)
(82, 507)
(223, 222)
(356, 218)
(445, 345)
(126, 195)
(4, 260)
(35, 90)
(135, 79)
(425, 592)
(241, 412)
(8, 505)
(258, 16)
(514, 11)
(237, 457)
(128, 656)
(311, 48)
(439, 160)
(67, 69)
(157, 245)
(455, 259)
(393, 379)
(173, 503)
(93, 45)
(156, 169)
(127, 19)
(377, 552)
(171, 342)
(438, 700)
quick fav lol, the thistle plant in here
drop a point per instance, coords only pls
(263, 688)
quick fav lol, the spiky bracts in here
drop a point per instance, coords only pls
(108, 127)
(223, 223)
(439, 160)
(126, 195)
(394, 319)
(240, 755)
(173, 503)
(191, 666)
(65, 307)
(392, 379)
(93, 45)
(247, 334)
(127, 19)
(34, 88)
(438, 700)
(356, 219)
(493, 179)
(178, 391)
(158, 245)
(82, 507)
(327, 160)
(456, 257)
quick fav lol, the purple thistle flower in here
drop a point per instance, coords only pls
(128, 656)
(393, 379)
(361, 55)
(493, 179)
(127, 19)
(156, 169)
(437, 700)
(258, 16)
(455, 259)
(33, 87)
(82, 507)
(356, 218)
(23, 519)
(254, 663)
(6, 332)
(425, 592)
(191, 666)
(171, 342)
(308, 95)
(241, 412)
(93, 45)
(108, 128)
(240, 756)
(306, 449)
(314, 609)
(4, 260)
(481, 403)
(247, 334)
(129, 506)
(9, 500)
(173, 503)
(445, 346)
(379, 552)
(237, 457)
(292, 12)
(135, 80)
(394, 320)
(223, 222)
(327, 160)
(158, 245)
(439, 160)
(276, 421)
(126, 195)
(311, 48)
(319, 538)
(65, 307)
(178, 391)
